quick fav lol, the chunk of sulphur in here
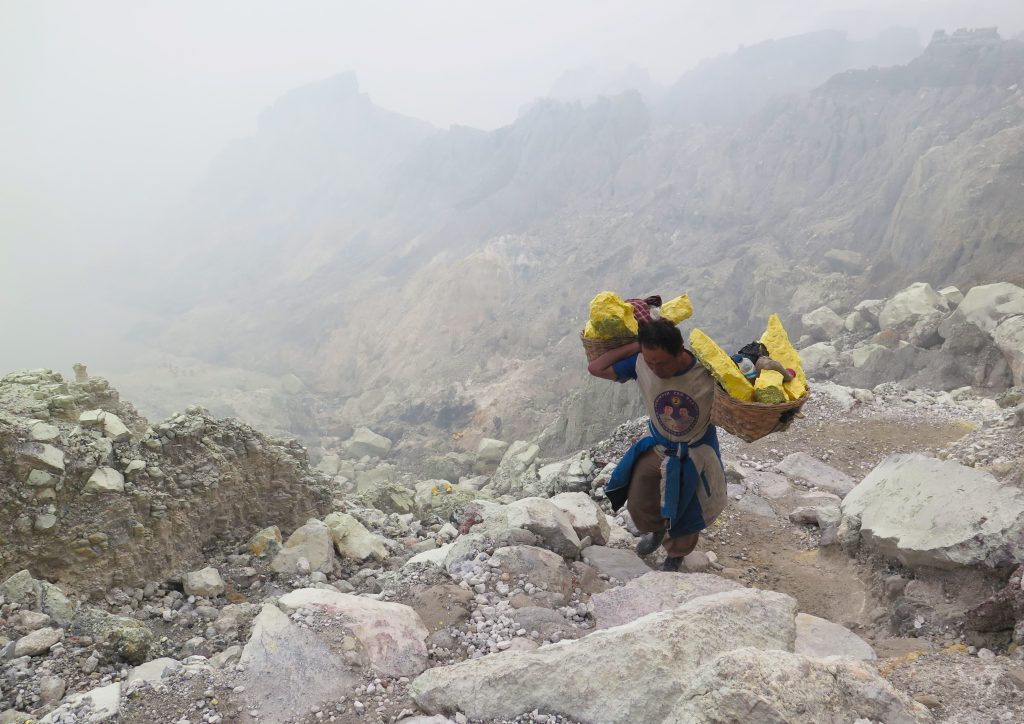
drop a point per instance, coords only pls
(768, 388)
(781, 350)
(721, 366)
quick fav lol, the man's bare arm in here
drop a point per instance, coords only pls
(602, 366)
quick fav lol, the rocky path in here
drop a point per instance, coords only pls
(513, 595)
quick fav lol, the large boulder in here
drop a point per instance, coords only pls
(365, 441)
(822, 324)
(353, 540)
(516, 469)
(392, 633)
(35, 595)
(987, 305)
(654, 591)
(587, 679)
(810, 470)
(538, 566)
(585, 515)
(104, 480)
(106, 422)
(278, 676)
(490, 451)
(1009, 338)
(928, 512)
(206, 583)
(751, 685)
(127, 638)
(819, 357)
(545, 519)
(908, 307)
(311, 542)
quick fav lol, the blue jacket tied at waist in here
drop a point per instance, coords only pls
(679, 504)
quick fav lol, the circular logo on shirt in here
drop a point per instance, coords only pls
(676, 411)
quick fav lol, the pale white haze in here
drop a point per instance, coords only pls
(111, 111)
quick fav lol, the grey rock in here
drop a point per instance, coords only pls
(544, 519)
(652, 592)
(40, 596)
(105, 480)
(755, 505)
(392, 634)
(311, 542)
(620, 564)
(818, 637)
(540, 567)
(905, 513)
(801, 466)
(585, 516)
(206, 583)
(747, 684)
(910, 305)
(822, 324)
(127, 638)
(365, 441)
(277, 646)
(583, 679)
(38, 642)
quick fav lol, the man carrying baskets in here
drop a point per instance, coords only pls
(672, 481)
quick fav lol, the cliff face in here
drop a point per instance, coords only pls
(456, 275)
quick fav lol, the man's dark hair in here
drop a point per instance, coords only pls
(661, 334)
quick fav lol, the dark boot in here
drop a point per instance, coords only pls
(649, 543)
(672, 564)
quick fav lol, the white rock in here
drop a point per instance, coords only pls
(928, 512)
(543, 518)
(44, 432)
(365, 441)
(653, 592)
(434, 555)
(37, 642)
(818, 357)
(312, 542)
(822, 324)
(154, 670)
(584, 679)
(490, 451)
(819, 637)
(1009, 338)
(278, 677)
(862, 354)
(105, 703)
(206, 583)
(801, 466)
(393, 633)
(353, 540)
(105, 480)
(987, 305)
(585, 515)
(748, 685)
(911, 305)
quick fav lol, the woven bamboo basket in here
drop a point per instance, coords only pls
(751, 421)
(597, 347)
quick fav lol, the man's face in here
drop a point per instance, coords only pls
(662, 364)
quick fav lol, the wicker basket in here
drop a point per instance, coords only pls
(751, 421)
(597, 347)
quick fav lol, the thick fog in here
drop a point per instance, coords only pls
(112, 111)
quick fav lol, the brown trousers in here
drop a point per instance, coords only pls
(644, 505)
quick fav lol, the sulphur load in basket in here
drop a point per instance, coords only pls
(612, 317)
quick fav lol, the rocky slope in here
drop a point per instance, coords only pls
(509, 593)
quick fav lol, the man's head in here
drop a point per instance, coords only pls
(661, 344)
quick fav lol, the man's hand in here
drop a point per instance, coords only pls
(602, 366)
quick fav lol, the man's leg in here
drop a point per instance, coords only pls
(644, 502)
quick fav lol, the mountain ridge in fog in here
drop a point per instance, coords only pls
(462, 279)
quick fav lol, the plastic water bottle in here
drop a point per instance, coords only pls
(746, 367)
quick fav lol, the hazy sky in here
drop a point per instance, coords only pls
(109, 111)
